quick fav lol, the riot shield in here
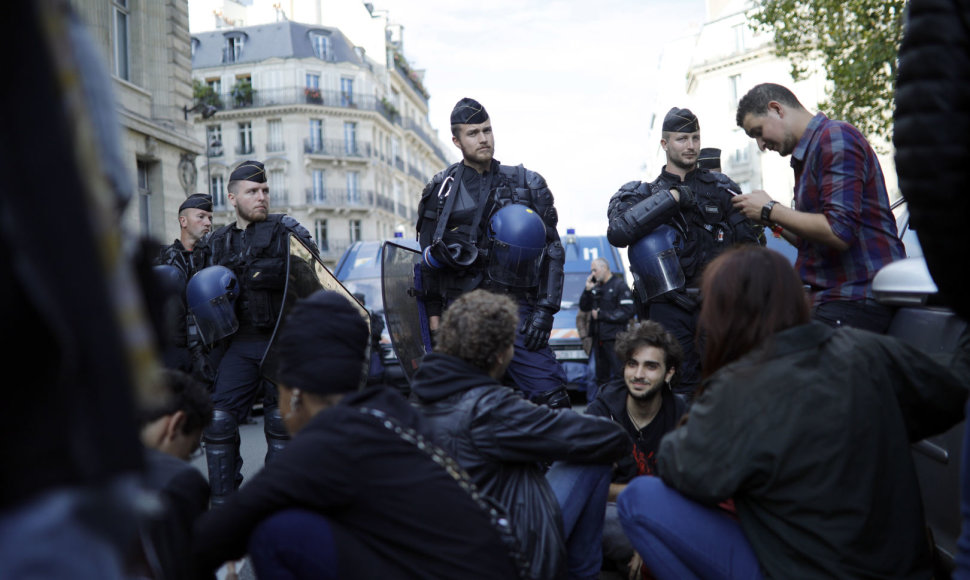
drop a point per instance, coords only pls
(407, 321)
(305, 274)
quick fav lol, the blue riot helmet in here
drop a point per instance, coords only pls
(211, 295)
(655, 264)
(518, 243)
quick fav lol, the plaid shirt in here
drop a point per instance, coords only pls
(837, 174)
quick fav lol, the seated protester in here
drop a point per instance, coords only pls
(643, 403)
(807, 427)
(171, 433)
(504, 441)
(352, 495)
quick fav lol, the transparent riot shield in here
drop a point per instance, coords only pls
(305, 274)
(407, 321)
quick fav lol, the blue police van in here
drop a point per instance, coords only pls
(565, 340)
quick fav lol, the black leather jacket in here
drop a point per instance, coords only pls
(506, 185)
(501, 440)
(616, 308)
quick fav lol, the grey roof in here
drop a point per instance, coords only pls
(264, 41)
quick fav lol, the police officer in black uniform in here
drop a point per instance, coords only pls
(256, 249)
(186, 350)
(453, 230)
(610, 302)
(697, 203)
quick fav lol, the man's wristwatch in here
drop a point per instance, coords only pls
(766, 211)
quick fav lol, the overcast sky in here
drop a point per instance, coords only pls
(570, 85)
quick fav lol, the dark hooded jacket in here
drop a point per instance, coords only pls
(395, 512)
(502, 440)
(810, 435)
(611, 403)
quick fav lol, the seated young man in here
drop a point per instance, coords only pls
(171, 433)
(644, 404)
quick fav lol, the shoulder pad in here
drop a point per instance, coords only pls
(533, 180)
(290, 222)
(630, 186)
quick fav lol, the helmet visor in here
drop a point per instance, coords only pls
(216, 319)
(514, 265)
(659, 275)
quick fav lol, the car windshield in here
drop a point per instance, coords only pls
(370, 288)
(573, 285)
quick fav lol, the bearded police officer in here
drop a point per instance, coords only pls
(256, 249)
(486, 225)
(690, 208)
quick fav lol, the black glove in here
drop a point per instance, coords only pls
(687, 197)
(537, 328)
(201, 369)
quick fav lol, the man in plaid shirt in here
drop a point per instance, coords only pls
(841, 222)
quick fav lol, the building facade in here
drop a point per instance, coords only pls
(146, 47)
(344, 134)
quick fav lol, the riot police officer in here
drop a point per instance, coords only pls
(466, 245)
(255, 247)
(186, 350)
(696, 203)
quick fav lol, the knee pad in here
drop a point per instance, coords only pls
(222, 429)
(273, 424)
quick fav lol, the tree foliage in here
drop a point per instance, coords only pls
(854, 42)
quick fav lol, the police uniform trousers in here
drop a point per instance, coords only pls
(534, 372)
(238, 381)
(683, 326)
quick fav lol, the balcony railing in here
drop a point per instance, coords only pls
(328, 197)
(411, 125)
(246, 149)
(332, 249)
(275, 147)
(336, 148)
(299, 96)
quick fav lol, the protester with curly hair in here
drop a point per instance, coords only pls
(504, 441)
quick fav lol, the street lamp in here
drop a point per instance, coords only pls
(206, 110)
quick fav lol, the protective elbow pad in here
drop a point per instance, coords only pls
(642, 218)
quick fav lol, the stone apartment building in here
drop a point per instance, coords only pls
(146, 47)
(344, 134)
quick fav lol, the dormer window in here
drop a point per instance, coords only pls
(195, 46)
(321, 44)
(232, 50)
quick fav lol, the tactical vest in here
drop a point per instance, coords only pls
(708, 228)
(470, 223)
(258, 255)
